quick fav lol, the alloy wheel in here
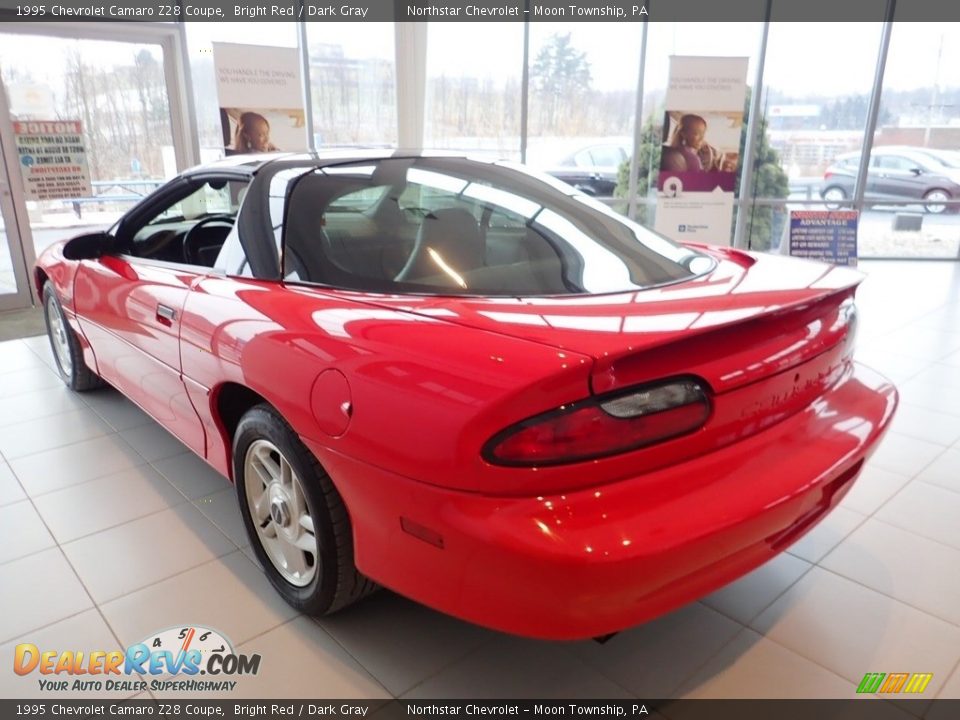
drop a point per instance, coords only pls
(280, 513)
(59, 339)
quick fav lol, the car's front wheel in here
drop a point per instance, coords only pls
(294, 516)
(67, 352)
(935, 201)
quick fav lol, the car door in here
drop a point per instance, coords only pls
(896, 177)
(130, 304)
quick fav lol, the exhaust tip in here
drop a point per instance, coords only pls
(602, 639)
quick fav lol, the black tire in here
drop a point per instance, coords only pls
(77, 376)
(337, 583)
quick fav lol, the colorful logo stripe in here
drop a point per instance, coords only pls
(894, 683)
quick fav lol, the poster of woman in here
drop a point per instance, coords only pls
(701, 150)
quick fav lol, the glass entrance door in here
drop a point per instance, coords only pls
(14, 278)
(92, 131)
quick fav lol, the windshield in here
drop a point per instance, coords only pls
(457, 226)
(946, 158)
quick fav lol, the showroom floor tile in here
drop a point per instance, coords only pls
(17, 409)
(509, 667)
(939, 508)
(122, 532)
(10, 490)
(230, 594)
(917, 571)
(87, 508)
(873, 488)
(22, 522)
(62, 467)
(174, 540)
(877, 631)
(38, 590)
(305, 662)
(744, 599)
(770, 669)
(403, 643)
(944, 471)
(34, 436)
(655, 658)
(827, 535)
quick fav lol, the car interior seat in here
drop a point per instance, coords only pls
(448, 240)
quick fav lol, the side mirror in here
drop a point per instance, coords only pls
(88, 247)
(916, 171)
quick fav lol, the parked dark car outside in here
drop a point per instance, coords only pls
(896, 173)
(593, 169)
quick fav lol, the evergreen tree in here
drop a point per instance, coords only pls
(560, 74)
(766, 222)
(648, 166)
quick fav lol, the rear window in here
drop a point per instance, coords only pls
(456, 226)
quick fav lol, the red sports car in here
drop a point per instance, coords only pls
(472, 384)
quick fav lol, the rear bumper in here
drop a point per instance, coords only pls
(596, 561)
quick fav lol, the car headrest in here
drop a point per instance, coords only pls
(454, 235)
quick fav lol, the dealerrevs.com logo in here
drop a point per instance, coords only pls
(182, 652)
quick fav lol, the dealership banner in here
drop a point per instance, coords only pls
(700, 150)
(261, 106)
(53, 159)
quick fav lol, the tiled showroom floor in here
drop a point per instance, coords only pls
(110, 530)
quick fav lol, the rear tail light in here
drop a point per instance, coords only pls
(604, 425)
(827, 175)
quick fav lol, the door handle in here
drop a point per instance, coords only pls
(166, 315)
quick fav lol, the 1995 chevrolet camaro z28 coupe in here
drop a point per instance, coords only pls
(472, 384)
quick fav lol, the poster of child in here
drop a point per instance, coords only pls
(247, 130)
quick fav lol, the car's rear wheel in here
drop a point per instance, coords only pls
(67, 352)
(834, 196)
(295, 518)
(936, 200)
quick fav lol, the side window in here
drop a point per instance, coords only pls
(421, 200)
(607, 156)
(895, 162)
(193, 229)
(357, 202)
(583, 159)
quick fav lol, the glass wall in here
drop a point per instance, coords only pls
(912, 189)
(582, 101)
(814, 117)
(474, 106)
(353, 83)
(581, 107)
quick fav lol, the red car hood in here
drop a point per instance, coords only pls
(762, 313)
